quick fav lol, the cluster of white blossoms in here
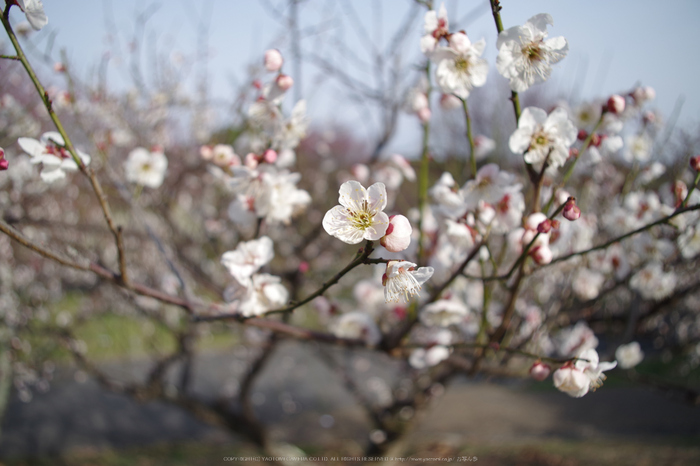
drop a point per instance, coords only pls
(360, 216)
(261, 183)
(257, 293)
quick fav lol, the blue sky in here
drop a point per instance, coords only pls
(613, 45)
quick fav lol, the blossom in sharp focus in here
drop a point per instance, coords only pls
(359, 215)
(543, 137)
(146, 168)
(247, 258)
(398, 234)
(629, 355)
(50, 151)
(402, 281)
(584, 375)
(526, 56)
(460, 67)
(34, 11)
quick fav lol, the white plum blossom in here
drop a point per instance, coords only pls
(247, 258)
(689, 242)
(483, 146)
(421, 358)
(443, 313)
(50, 151)
(489, 185)
(402, 281)
(357, 325)
(541, 137)
(264, 293)
(652, 282)
(460, 67)
(584, 375)
(224, 156)
(576, 339)
(629, 355)
(360, 213)
(587, 283)
(526, 56)
(146, 168)
(34, 11)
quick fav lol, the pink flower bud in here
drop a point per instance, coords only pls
(59, 67)
(251, 161)
(257, 84)
(424, 114)
(616, 104)
(545, 226)
(304, 267)
(270, 156)
(398, 234)
(206, 152)
(273, 60)
(680, 191)
(582, 135)
(450, 102)
(643, 94)
(695, 163)
(284, 82)
(3, 161)
(540, 371)
(596, 140)
(571, 211)
(541, 254)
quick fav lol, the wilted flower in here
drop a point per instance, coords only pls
(584, 375)
(402, 281)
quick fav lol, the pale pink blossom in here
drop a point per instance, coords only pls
(273, 60)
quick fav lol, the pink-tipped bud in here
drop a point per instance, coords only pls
(571, 211)
(424, 114)
(251, 161)
(695, 163)
(450, 102)
(643, 94)
(59, 67)
(270, 156)
(680, 191)
(541, 254)
(616, 104)
(273, 60)
(649, 118)
(398, 234)
(596, 140)
(3, 161)
(540, 371)
(545, 227)
(304, 267)
(284, 82)
(582, 135)
(257, 84)
(573, 153)
(206, 152)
